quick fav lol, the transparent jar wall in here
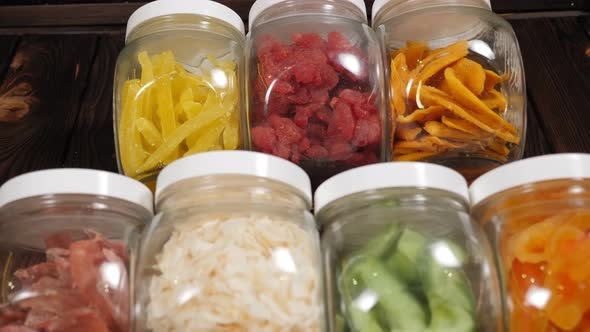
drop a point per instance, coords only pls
(315, 85)
(407, 259)
(539, 233)
(177, 92)
(457, 85)
(250, 261)
(65, 262)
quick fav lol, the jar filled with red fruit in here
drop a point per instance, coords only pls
(314, 80)
(67, 244)
(456, 83)
(537, 214)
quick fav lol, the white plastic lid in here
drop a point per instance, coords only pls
(76, 181)
(379, 4)
(260, 5)
(234, 163)
(171, 7)
(390, 175)
(531, 170)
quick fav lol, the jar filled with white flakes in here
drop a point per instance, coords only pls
(232, 248)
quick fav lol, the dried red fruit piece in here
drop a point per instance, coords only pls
(367, 132)
(264, 138)
(342, 122)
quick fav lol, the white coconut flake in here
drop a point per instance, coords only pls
(246, 273)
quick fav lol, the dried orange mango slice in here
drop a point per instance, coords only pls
(399, 71)
(438, 129)
(498, 147)
(439, 60)
(471, 74)
(407, 132)
(431, 96)
(529, 246)
(466, 98)
(464, 126)
(414, 52)
(492, 80)
(495, 100)
(423, 115)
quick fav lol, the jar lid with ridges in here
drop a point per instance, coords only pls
(234, 163)
(379, 4)
(390, 175)
(260, 5)
(527, 171)
(160, 8)
(76, 181)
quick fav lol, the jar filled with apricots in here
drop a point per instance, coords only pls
(177, 85)
(536, 213)
(456, 83)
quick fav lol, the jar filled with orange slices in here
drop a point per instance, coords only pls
(456, 83)
(536, 212)
(177, 85)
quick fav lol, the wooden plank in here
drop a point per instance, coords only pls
(7, 47)
(558, 79)
(65, 15)
(39, 101)
(536, 142)
(92, 144)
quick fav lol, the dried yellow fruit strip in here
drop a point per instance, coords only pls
(181, 133)
(208, 138)
(466, 98)
(471, 74)
(438, 129)
(130, 147)
(149, 132)
(423, 115)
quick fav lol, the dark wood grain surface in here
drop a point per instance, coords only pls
(41, 96)
(558, 78)
(56, 110)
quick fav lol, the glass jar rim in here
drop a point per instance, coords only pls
(235, 163)
(261, 6)
(381, 6)
(390, 176)
(562, 166)
(76, 181)
(162, 8)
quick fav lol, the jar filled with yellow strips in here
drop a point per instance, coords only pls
(178, 85)
(456, 83)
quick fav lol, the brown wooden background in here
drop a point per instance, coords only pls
(57, 60)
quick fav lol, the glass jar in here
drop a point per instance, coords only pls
(315, 84)
(457, 85)
(233, 247)
(68, 241)
(536, 212)
(401, 253)
(177, 85)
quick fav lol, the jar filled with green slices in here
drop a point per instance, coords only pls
(401, 252)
